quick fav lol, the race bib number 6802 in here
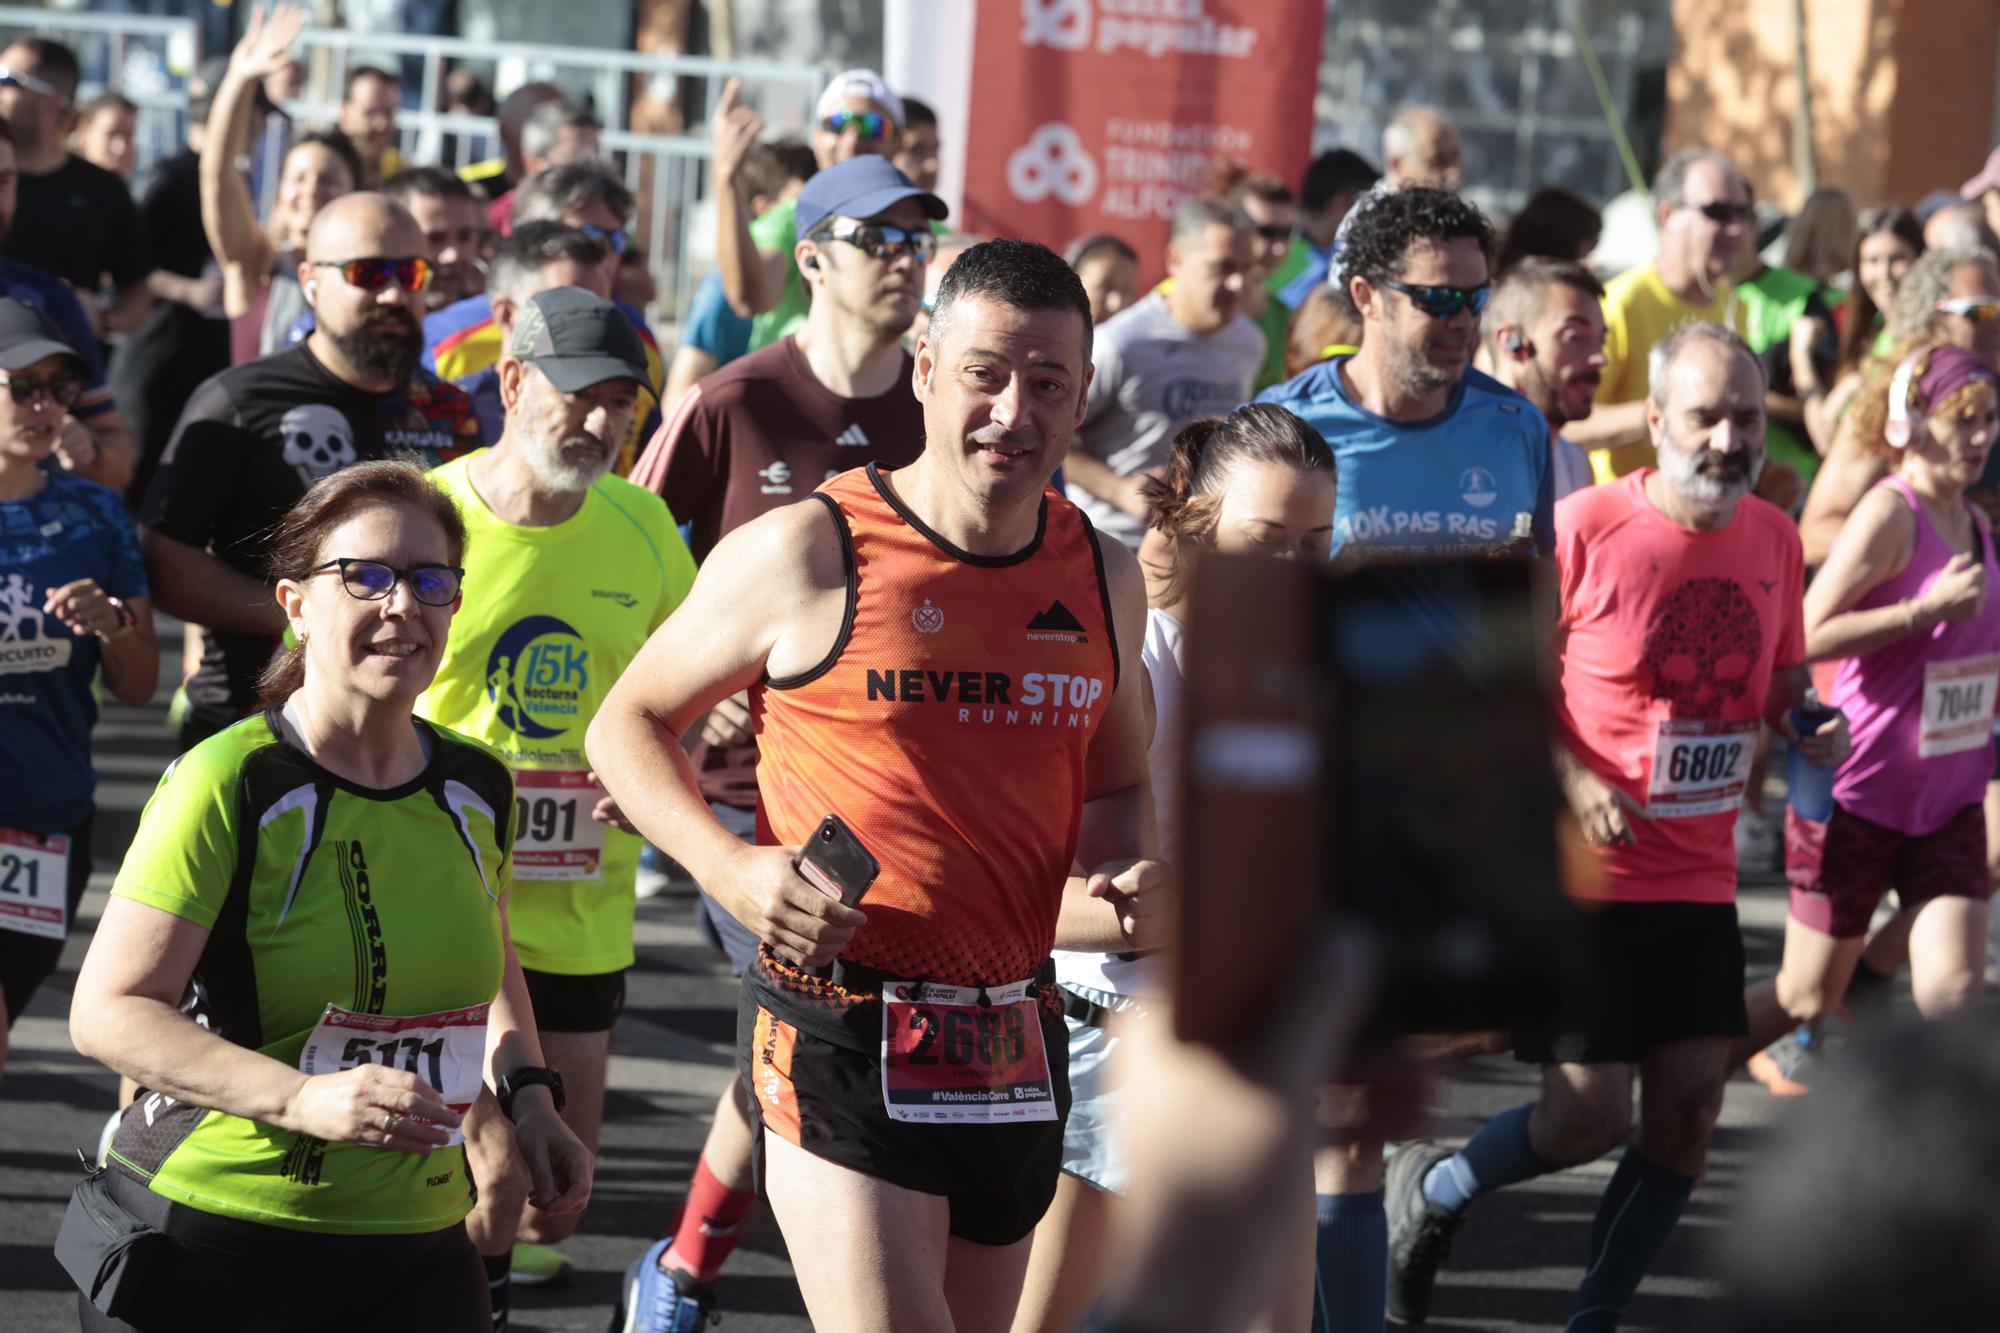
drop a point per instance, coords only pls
(1700, 767)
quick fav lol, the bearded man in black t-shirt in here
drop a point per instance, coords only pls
(254, 437)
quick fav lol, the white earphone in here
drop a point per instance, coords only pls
(312, 292)
(1899, 428)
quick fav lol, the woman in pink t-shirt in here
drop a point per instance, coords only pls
(1902, 604)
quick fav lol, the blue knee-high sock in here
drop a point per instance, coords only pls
(1640, 1209)
(1353, 1279)
(1499, 1154)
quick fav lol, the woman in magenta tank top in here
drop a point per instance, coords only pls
(1902, 603)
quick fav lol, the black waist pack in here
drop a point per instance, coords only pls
(105, 1250)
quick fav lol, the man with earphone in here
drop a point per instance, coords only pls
(1545, 341)
(254, 437)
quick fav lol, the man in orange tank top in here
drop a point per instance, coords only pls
(944, 656)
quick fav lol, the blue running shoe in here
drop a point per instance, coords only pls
(661, 1300)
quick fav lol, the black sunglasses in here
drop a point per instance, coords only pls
(1275, 232)
(879, 240)
(1725, 212)
(372, 275)
(64, 390)
(371, 580)
(1440, 302)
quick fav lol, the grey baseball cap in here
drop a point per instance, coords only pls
(27, 335)
(578, 339)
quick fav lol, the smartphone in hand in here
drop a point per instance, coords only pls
(835, 862)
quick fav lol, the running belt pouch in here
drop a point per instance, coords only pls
(105, 1250)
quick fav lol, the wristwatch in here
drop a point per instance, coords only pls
(528, 1076)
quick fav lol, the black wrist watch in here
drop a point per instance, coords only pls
(528, 1076)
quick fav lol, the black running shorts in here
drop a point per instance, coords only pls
(1658, 972)
(576, 1004)
(827, 1099)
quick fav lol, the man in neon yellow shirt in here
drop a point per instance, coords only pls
(568, 570)
(1705, 220)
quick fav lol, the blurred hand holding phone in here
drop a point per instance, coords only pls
(1371, 747)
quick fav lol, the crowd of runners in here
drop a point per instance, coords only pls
(505, 614)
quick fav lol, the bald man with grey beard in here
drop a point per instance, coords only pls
(253, 439)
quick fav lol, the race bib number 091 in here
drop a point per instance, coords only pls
(1958, 705)
(1700, 768)
(34, 884)
(949, 1059)
(554, 836)
(447, 1050)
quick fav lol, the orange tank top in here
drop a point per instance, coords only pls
(947, 727)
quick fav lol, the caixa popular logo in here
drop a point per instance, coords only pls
(536, 676)
(1052, 162)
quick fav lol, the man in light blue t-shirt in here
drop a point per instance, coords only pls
(1434, 456)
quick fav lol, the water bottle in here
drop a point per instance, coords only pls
(1811, 785)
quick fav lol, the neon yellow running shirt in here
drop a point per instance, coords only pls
(315, 891)
(551, 617)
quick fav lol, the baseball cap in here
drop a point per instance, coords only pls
(577, 338)
(860, 187)
(27, 335)
(862, 83)
(1987, 179)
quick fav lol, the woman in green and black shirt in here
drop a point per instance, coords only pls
(325, 884)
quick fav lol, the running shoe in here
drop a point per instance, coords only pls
(1420, 1231)
(1789, 1066)
(661, 1300)
(539, 1266)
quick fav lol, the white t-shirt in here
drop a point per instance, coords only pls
(1165, 658)
(1151, 378)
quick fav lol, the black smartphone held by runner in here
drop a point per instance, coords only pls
(835, 862)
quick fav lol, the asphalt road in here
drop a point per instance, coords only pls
(1515, 1264)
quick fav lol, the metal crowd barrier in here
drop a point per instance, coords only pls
(148, 59)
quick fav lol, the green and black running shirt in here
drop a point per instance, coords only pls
(316, 891)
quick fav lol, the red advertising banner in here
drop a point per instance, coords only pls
(1102, 115)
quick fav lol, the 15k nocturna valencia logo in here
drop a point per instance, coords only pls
(536, 676)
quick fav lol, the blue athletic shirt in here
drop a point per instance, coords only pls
(73, 529)
(1464, 482)
(713, 327)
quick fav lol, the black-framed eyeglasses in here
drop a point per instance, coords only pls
(412, 274)
(870, 125)
(615, 237)
(1440, 302)
(13, 78)
(1275, 233)
(372, 580)
(1724, 212)
(64, 390)
(879, 240)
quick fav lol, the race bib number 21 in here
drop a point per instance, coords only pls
(34, 884)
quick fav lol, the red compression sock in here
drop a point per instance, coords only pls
(711, 1224)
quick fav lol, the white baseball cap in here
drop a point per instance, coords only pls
(865, 84)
